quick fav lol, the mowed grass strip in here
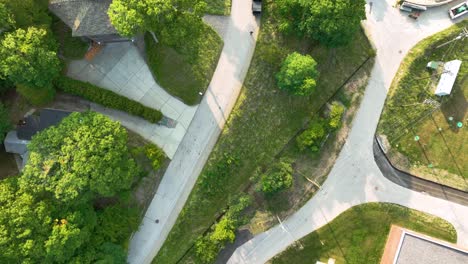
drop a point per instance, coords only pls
(218, 7)
(406, 116)
(359, 234)
(263, 120)
(185, 73)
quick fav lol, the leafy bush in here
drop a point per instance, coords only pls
(208, 246)
(5, 124)
(336, 113)
(298, 74)
(313, 136)
(155, 155)
(106, 98)
(116, 223)
(277, 179)
(36, 96)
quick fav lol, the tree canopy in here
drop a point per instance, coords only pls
(86, 152)
(331, 22)
(5, 123)
(29, 57)
(29, 12)
(297, 74)
(130, 17)
(6, 18)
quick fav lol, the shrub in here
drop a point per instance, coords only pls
(36, 96)
(313, 136)
(336, 113)
(298, 74)
(155, 155)
(208, 246)
(277, 179)
(106, 98)
(5, 124)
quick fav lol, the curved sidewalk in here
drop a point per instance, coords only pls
(355, 178)
(201, 135)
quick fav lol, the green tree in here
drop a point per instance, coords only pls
(29, 57)
(336, 113)
(313, 136)
(85, 155)
(29, 12)
(130, 17)
(277, 178)
(6, 18)
(5, 123)
(332, 22)
(297, 74)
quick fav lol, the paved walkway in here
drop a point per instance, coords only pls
(201, 136)
(355, 178)
(119, 67)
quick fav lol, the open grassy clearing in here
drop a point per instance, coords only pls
(184, 72)
(440, 153)
(359, 234)
(71, 48)
(261, 124)
(218, 7)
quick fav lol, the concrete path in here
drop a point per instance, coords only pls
(355, 178)
(119, 67)
(201, 136)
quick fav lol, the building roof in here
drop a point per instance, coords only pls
(84, 17)
(407, 247)
(15, 145)
(36, 123)
(448, 77)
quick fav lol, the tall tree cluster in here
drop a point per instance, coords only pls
(47, 213)
(28, 52)
(331, 22)
(131, 17)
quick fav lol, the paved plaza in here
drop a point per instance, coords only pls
(119, 67)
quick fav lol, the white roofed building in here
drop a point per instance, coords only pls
(448, 77)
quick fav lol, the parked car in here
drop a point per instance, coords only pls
(458, 10)
(257, 7)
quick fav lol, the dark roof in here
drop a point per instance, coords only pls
(36, 123)
(84, 17)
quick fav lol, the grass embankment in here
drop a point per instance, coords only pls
(413, 110)
(71, 48)
(359, 234)
(186, 71)
(218, 7)
(262, 122)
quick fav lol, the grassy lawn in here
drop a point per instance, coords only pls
(218, 7)
(440, 153)
(262, 122)
(71, 48)
(185, 72)
(359, 234)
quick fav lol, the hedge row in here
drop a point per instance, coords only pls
(106, 98)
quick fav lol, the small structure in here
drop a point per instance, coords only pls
(17, 140)
(407, 247)
(87, 18)
(448, 77)
(434, 65)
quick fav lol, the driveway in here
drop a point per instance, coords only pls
(119, 67)
(355, 177)
(201, 135)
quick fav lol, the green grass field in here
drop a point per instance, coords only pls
(359, 235)
(262, 122)
(218, 7)
(440, 153)
(185, 73)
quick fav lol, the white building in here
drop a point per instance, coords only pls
(448, 77)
